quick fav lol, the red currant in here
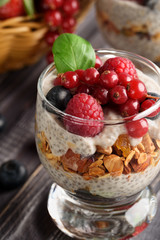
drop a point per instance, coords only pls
(70, 79)
(58, 80)
(118, 94)
(80, 73)
(68, 24)
(98, 62)
(136, 90)
(147, 104)
(130, 108)
(124, 79)
(137, 129)
(53, 18)
(91, 76)
(49, 57)
(109, 79)
(71, 7)
(83, 89)
(50, 37)
(101, 94)
(52, 4)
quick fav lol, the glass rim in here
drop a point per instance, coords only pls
(121, 120)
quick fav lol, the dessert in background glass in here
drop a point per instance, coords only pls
(101, 168)
(131, 25)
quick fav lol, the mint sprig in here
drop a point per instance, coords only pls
(29, 7)
(3, 2)
(71, 52)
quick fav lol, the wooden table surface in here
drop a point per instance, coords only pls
(23, 211)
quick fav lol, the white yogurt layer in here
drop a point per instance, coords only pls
(60, 140)
(125, 14)
(106, 186)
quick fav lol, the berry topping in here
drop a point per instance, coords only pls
(53, 18)
(137, 129)
(91, 76)
(118, 94)
(83, 89)
(84, 106)
(101, 94)
(80, 73)
(147, 104)
(70, 79)
(136, 90)
(59, 97)
(130, 108)
(124, 79)
(12, 174)
(11, 9)
(120, 65)
(58, 80)
(98, 63)
(109, 79)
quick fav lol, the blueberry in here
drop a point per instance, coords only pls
(2, 122)
(154, 95)
(59, 97)
(12, 175)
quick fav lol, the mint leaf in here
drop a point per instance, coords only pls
(3, 2)
(72, 52)
(29, 7)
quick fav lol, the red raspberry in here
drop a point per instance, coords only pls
(13, 8)
(86, 107)
(120, 65)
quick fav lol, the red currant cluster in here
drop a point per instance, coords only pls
(115, 82)
(60, 17)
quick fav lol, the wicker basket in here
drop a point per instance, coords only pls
(22, 39)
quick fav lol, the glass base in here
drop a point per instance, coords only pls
(87, 219)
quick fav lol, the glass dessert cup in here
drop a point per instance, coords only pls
(100, 188)
(131, 26)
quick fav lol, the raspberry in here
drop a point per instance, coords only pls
(13, 8)
(86, 107)
(120, 65)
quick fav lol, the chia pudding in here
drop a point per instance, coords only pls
(131, 25)
(84, 163)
